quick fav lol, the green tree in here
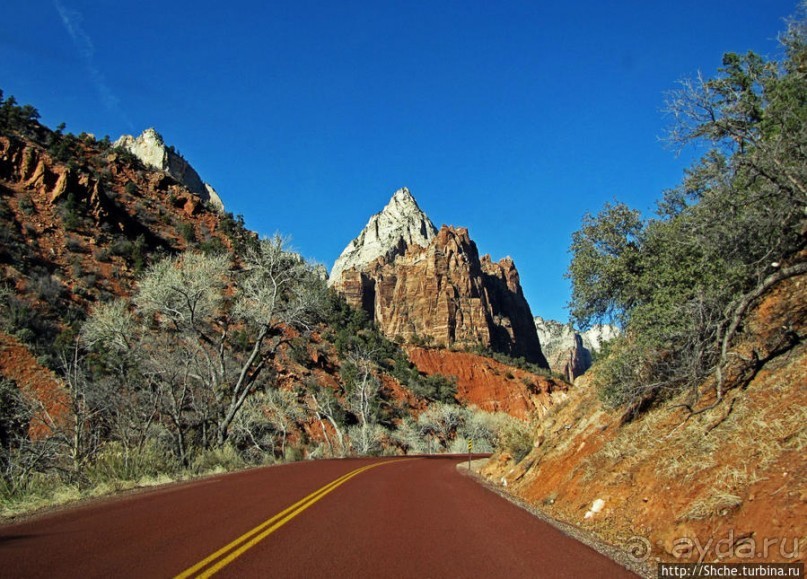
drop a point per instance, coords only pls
(681, 282)
(605, 265)
(14, 117)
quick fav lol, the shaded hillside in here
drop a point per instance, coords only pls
(80, 220)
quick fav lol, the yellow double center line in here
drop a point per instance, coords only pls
(227, 554)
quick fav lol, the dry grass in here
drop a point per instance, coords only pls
(714, 502)
(722, 494)
(746, 434)
(712, 459)
(737, 478)
(670, 473)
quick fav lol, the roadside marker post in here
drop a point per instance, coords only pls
(470, 448)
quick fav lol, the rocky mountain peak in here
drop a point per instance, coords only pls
(398, 226)
(433, 288)
(402, 196)
(152, 151)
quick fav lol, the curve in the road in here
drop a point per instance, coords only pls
(230, 552)
(414, 518)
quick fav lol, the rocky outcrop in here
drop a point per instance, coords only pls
(597, 335)
(31, 169)
(150, 148)
(569, 352)
(89, 233)
(388, 234)
(563, 348)
(441, 293)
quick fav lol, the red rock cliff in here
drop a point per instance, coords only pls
(444, 293)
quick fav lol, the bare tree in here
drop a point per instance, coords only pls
(112, 335)
(362, 386)
(283, 411)
(251, 431)
(278, 289)
(367, 439)
(79, 429)
(441, 421)
(202, 332)
(20, 455)
(325, 406)
(409, 437)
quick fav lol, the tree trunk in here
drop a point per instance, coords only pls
(242, 385)
(739, 314)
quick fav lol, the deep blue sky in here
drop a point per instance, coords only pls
(510, 118)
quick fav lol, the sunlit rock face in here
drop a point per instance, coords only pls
(569, 352)
(150, 148)
(388, 234)
(424, 286)
(597, 335)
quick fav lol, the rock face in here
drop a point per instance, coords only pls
(420, 287)
(388, 233)
(563, 348)
(150, 148)
(104, 212)
(567, 351)
(30, 169)
(596, 336)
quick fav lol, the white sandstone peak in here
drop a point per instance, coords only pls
(554, 336)
(569, 351)
(152, 151)
(557, 336)
(400, 224)
(598, 334)
(149, 147)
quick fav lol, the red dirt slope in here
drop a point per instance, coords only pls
(489, 384)
(718, 485)
(19, 365)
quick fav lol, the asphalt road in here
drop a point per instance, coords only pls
(413, 517)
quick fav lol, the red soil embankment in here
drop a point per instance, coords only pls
(488, 384)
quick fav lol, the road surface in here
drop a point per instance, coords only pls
(387, 517)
